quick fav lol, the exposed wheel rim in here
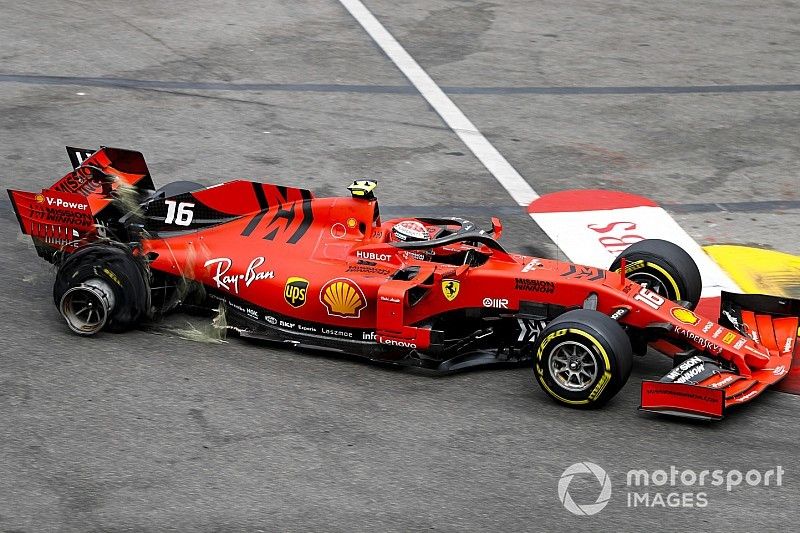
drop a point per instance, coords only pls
(573, 366)
(87, 306)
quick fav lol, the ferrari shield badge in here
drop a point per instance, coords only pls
(450, 288)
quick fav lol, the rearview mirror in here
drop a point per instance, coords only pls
(497, 227)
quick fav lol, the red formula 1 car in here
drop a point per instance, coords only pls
(438, 294)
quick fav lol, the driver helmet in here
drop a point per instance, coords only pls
(410, 231)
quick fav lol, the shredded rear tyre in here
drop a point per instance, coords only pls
(102, 287)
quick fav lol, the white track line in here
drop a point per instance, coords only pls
(495, 163)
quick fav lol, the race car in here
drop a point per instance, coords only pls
(439, 294)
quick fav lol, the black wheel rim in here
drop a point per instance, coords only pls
(652, 282)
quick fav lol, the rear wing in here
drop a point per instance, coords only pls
(67, 212)
(51, 217)
(96, 174)
(703, 387)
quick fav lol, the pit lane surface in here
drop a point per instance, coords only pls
(149, 431)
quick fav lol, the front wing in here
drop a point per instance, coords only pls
(702, 387)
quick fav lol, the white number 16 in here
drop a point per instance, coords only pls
(182, 216)
(650, 298)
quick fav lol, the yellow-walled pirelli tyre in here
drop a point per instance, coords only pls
(582, 358)
(663, 267)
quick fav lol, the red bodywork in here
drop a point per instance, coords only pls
(310, 268)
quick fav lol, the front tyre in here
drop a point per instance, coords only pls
(664, 268)
(582, 358)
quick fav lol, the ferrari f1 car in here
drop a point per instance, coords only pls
(437, 294)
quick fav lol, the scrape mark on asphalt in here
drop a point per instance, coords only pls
(128, 83)
(198, 416)
(437, 44)
(214, 437)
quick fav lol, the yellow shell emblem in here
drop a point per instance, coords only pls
(684, 315)
(342, 297)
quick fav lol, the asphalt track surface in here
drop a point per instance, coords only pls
(149, 431)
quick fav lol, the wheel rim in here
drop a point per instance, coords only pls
(651, 282)
(86, 307)
(573, 366)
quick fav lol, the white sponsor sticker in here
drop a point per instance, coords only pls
(499, 303)
(727, 380)
(58, 202)
(230, 282)
(372, 256)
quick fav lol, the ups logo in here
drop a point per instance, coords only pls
(295, 291)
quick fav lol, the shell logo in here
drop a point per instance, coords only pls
(684, 315)
(343, 297)
(39, 198)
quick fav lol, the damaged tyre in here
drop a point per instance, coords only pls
(101, 287)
